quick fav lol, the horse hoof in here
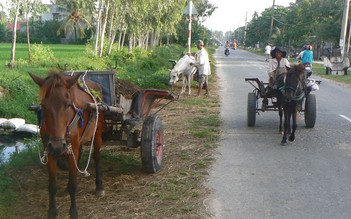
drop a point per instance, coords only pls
(100, 193)
(291, 139)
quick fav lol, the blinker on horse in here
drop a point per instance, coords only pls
(66, 125)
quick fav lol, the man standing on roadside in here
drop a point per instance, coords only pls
(267, 51)
(203, 65)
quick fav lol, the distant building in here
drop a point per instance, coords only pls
(56, 13)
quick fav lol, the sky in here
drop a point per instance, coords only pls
(231, 14)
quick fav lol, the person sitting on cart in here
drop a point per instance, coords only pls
(277, 68)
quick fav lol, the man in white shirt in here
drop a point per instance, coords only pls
(203, 65)
(267, 51)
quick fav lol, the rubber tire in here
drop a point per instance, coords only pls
(152, 144)
(251, 109)
(310, 110)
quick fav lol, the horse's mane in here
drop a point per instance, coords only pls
(54, 80)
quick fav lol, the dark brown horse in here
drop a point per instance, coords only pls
(293, 93)
(67, 124)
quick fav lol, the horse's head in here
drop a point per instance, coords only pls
(173, 76)
(57, 111)
(182, 66)
(293, 89)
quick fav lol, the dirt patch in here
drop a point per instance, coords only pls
(176, 191)
(126, 88)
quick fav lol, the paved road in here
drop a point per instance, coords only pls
(255, 177)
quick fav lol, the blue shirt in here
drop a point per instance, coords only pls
(307, 56)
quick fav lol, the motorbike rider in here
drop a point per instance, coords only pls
(226, 51)
(306, 57)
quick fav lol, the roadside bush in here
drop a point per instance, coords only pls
(42, 55)
(19, 95)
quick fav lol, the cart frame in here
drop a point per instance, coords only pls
(253, 109)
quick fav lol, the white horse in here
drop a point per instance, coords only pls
(183, 69)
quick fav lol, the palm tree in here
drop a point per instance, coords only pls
(76, 22)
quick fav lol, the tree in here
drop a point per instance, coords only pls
(77, 21)
(15, 12)
(31, 7)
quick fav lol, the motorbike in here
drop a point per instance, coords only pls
(308, 69)
(226, 51)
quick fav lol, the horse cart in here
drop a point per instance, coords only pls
(336, 63)
(254, 104)
(130, 115)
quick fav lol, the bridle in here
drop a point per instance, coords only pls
(78, 118)
(295, 97)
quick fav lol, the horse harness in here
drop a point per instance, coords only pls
(78, 117)
(294, 89)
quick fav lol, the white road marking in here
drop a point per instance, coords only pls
(345, 117)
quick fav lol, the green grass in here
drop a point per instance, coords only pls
(8, 185)
(319, 70)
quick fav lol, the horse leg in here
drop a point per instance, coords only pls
(294, 125)
(280, 120)
(286, 117)
(52, 169)
(189, 83)
(98, 180)
(80, 153)
(183, 85)
(72, 181)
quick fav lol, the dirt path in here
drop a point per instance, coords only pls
(175, 192)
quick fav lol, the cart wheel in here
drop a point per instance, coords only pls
(152, 144)
(310, 110)
(251, 109)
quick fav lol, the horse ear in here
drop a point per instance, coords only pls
(38, 80)
(73, 80)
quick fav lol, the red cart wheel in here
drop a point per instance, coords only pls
(152, 144)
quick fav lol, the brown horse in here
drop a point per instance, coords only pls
(293, 93)
(66, 125)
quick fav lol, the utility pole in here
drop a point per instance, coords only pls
(345, 18)
(272, 21)
(245, 29)
(190, 10)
